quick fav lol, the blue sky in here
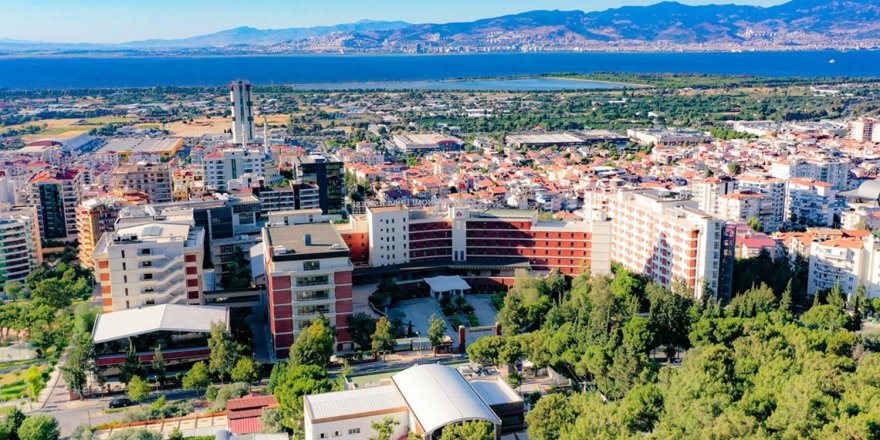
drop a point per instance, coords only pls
(126, 20)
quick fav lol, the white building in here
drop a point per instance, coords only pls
(667, 136)
(706, 192)
(423, 399)
(389, 235)
(831, 170)
(773, 205)
(150, 263)
(242, 112)
(231, 164)
(666, 239)
(865, 130)
(20, 249)
(415, 143)
(811, 203)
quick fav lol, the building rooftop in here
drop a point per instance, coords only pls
(141, 145)
(354, 403)
(307, 239)
(166, 317)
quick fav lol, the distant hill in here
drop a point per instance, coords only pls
(796, 24)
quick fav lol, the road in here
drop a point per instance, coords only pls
(71, 414)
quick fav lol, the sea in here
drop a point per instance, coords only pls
(503, 71)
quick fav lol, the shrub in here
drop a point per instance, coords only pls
(226, 392)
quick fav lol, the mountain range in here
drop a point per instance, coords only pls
(796, 24)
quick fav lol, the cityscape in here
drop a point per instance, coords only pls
(568, 255)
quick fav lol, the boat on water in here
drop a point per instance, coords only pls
(832, 61)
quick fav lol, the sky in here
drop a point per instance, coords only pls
(113, 21)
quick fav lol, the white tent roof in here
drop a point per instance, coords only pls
(447, 283)
(438, 395)
(165, 317)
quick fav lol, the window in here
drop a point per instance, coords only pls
(311, 265)
(354, 431)
(148, 276)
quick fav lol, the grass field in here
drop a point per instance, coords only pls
(13, 385)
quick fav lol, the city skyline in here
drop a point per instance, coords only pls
(118, 21)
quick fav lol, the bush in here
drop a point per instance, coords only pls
(160, 409)
(135, 434)
(226, 392)
(39, 427)
(497, 300)
(472, 320)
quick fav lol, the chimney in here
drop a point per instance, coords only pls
(307, 239)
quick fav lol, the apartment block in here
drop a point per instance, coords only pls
(309, 275)
(158, 262)
(152, 179)
(811, 203)
(93, 218)
(667, 239)
(20, 248)
(773, 205)
(56, 194)
(231, 163)
(328, 174)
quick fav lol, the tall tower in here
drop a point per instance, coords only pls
(242, 112)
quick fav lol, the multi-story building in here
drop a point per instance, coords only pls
(56, 195)
(773, 205)
(865, 130)
(742, 206)
(309, 275)
(231, 163)
(242, 112)
(668, 240)
(296, 196)
(152, 179)
(706, 192)
(837, 262)
(157, 262)
(420, 143)
(826, 168)
(20, 248)
(667, 136)
(389, 235)
(93, 218)
(812, 203)
(188, 182)
(327, 173)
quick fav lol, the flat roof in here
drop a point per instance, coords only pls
(354, 403)
(290, 241)
(165, 317)
(495, 392)
(141, 145)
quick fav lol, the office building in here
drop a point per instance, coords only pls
(309, 275)
(56, 194)
(242, 112)
(327, 173)
(151, 263)
(152, 179)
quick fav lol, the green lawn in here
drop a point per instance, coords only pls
(13, 385)
(107, 120)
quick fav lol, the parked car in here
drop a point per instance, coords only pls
(120, 403)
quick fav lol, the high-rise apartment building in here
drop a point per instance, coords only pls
(20, 248)
(865, 130)
(56, 195)
(150, 263)
(93, 218)
(153, 179)
(309, 275)
(812, 203)
(231, 163)
(242, 112)
(326, 172)
(668, 240)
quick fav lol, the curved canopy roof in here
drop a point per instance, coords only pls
(165, 317)
(869, 190)
(438, 395)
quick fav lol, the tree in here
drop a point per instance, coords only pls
(246, 370)
(132, 365)
(826, 317)
(135, 434)
(733, 168)
(34, 380)
(361, 327)
(83, 431)
(14, 290)
(314, 346)
(475, 430)
(669, 319)
(237, 273)
(550, 417)
(299, 381)
(383, 339)
(224, 354)
(272, 421)
(158, 364)
(81, 363)
(197, 378)
(436, 331)
(385, 428)
(52, 292)
(755, 224)
(39, 427)
(277, 375)
(138, 389)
